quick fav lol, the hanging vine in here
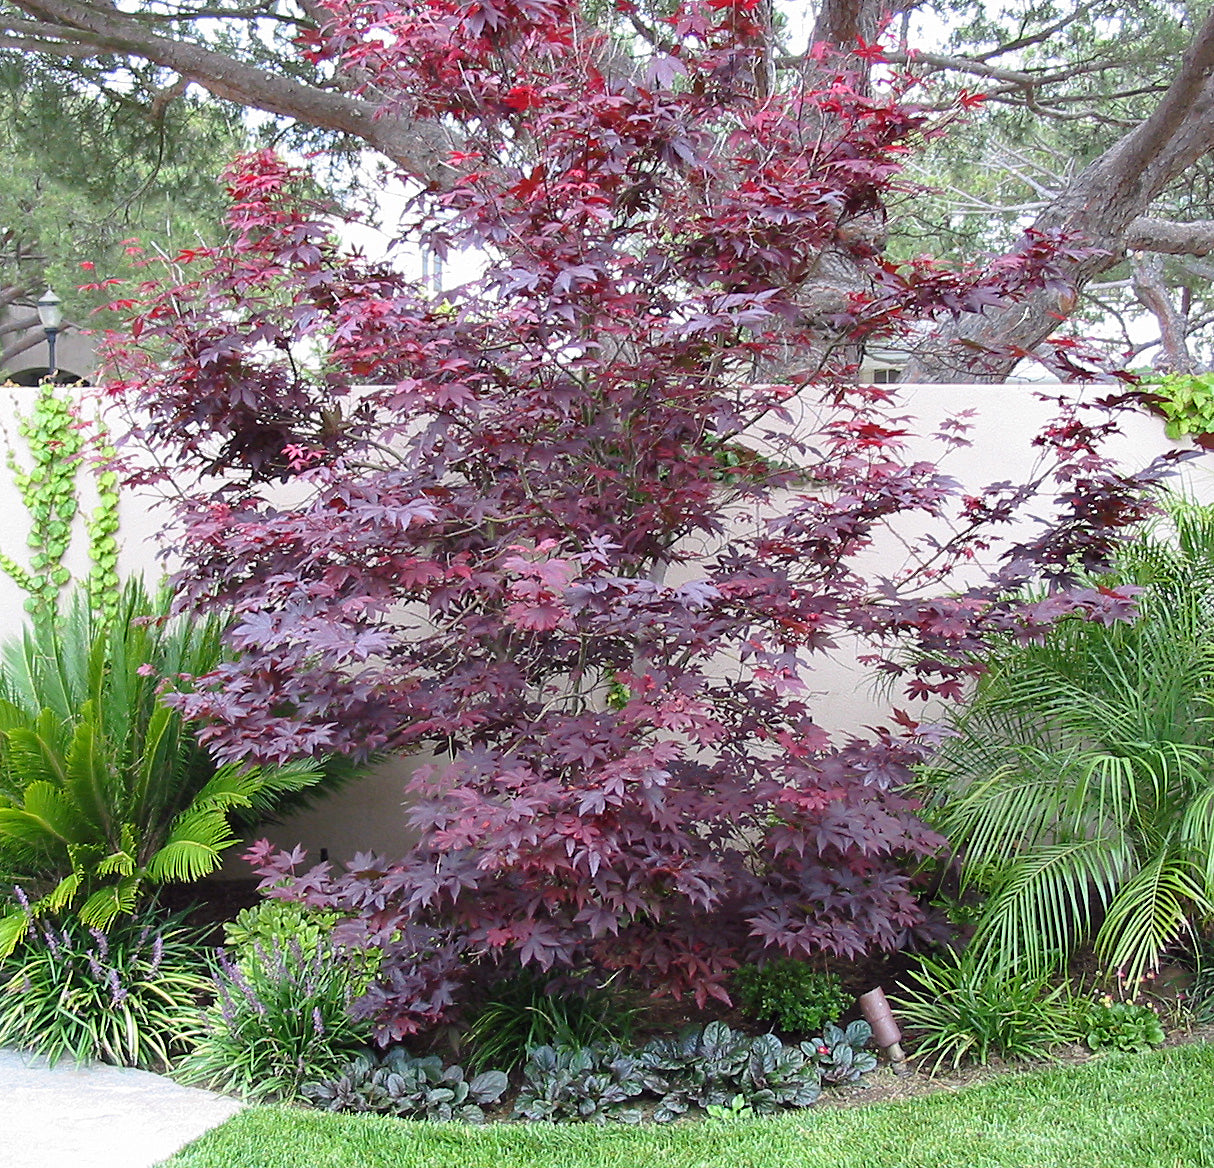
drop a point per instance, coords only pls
(49, 490)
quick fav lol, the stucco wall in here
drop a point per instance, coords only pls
(367, 814)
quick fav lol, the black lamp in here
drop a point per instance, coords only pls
(51, 316)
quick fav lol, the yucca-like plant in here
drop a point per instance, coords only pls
(104, 791)
(1079, 790)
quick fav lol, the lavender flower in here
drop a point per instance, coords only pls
(157, 954)
(103, 943)
(118, 992)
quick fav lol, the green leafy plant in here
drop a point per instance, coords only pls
(591, 1084)
(104, 790)
(401, 1085)
(962, 1009)
(713, 1064)
(536, 1009)
(840, 1055)
(125, 996)
(1129, 1026)
(281, 1017)
(1186, 400)
(1079, 785)
(737, 1108)
(790, 994)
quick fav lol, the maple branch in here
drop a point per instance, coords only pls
(81, 28)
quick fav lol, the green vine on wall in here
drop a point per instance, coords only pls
(1186, 400)
(49, 491)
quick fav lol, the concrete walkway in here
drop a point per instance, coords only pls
(97, 1116)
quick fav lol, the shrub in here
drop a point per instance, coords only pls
(533, 1009)
(790, 994)
(281, 1014)
(125, 996)
(1109, 1025)
(401, 1085)
(1078, 786)
(960, 1009)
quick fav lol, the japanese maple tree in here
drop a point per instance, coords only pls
(582, 527)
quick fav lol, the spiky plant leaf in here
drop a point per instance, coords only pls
(110, 901)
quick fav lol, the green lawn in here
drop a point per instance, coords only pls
(1125, 1111)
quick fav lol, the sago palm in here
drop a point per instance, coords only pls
(103, 789)
(1079, 790)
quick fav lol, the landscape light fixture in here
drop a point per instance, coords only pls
(51, 315)
(886, 1034)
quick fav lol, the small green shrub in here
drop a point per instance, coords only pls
(535, 1009)
(790, 995)
(124, 996)
(281, 1014)
(1127, 1026)
(415, 1088)
(962, 1010)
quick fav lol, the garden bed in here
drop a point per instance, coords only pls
(1136, 1111)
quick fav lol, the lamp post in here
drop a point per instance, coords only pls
(51, 316)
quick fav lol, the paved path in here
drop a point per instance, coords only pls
(96, 1116)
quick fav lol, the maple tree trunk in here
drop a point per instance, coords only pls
(1103, 204)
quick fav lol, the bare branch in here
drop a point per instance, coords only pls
(1161, 235)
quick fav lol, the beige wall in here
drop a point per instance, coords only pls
(368, 815)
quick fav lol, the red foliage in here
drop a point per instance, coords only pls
(490, 489)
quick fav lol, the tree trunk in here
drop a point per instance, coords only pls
(1098, 207)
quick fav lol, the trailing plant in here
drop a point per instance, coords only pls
(124, 996)
(534, 1009)
(398, 1084)
(840, 1055)
(737, 1108)
(712, 1065)
(962, 1010)
(281, 1017)
(1127, 1026)
(104, 791)
(490, 488)
(1079, 785)
(789, 994)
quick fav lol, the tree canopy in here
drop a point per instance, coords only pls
(1090, 117)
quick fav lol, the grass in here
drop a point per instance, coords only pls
(1133, 1111)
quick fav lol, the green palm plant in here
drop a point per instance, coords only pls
(1079, 788)
(104, 790)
